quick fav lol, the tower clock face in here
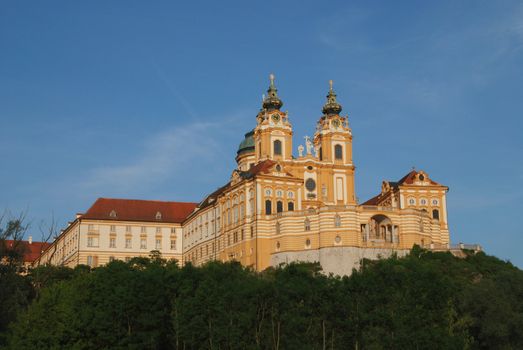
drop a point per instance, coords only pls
(276, 117)
(310, 185)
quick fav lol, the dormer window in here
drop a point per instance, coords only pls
(278, 168)
(113, 213)
(158, 215)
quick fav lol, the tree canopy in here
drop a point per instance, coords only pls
(425, 300)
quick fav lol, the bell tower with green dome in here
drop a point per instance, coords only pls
(273, 132)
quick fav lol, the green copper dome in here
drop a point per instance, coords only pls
(247, 145)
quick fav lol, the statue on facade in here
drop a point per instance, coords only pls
(308, 144)
(300, 150)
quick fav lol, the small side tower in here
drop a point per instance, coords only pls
(273, 132)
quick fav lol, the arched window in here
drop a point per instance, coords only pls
(268, 207)
(337, 221)
(279, 206)
(435, 214)
(290, 206)
(277, 147)
(307, 224)
(338, 152)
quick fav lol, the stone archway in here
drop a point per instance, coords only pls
(381, 228)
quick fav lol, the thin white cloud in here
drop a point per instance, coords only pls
(176, 155)
(163, 155)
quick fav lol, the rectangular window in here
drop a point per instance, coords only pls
(128, 229)
(143, 229)
(127, 259)
(90, 260)
(173, 230)
(90, 227)
(128, 243)
(339, 189)
(173, 244)
(113, 228)
(112, 242)
(143, 243)
(277, 148)
(338, 152)
(268, 207)
(92, 241)
(235, 237)
(158, 230)
(158, 243)
(111, 258)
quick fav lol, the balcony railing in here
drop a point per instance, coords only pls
(380, 244)
(474, 247)
(376, 207)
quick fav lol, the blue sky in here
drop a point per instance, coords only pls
(150, 100)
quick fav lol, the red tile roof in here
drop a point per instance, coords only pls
(31, 250)
(139, 210)
(262, 167)
(212, 197)
(409, 179)
(405, 180)
(373, 201)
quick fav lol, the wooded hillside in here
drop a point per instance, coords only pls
(423, 301)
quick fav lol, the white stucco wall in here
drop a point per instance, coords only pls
(336, 260)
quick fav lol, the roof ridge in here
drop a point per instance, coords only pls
(144, 200)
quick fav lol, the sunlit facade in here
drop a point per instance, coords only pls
(277, 207)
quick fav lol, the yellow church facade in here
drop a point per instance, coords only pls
(277, 207)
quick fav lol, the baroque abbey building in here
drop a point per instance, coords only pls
(276, 208)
